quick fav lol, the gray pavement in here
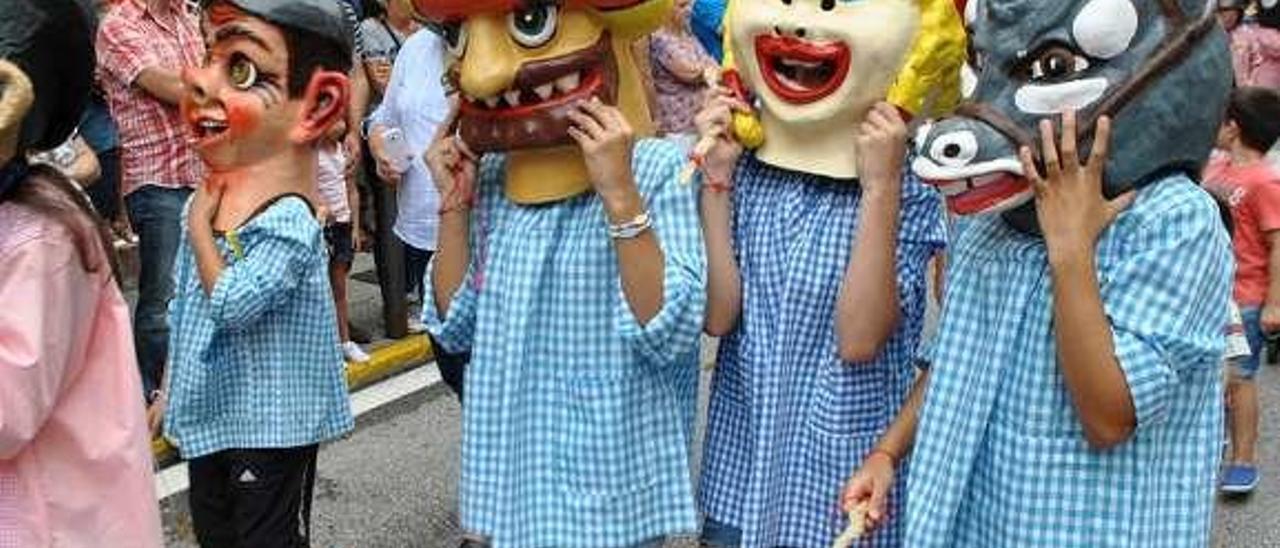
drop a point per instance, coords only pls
(1255, 521)
(393, 483)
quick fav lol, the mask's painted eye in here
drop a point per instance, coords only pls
(455, 38)
(243, 73)
(1056, 64)
(534, 25)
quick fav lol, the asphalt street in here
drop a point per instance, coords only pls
(393, 483)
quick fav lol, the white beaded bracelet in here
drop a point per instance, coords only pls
(630, 229)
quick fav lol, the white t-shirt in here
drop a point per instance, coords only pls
(331, 182)
(416, 104)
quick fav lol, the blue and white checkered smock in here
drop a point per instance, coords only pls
(578, 422)
(1001, 458)
(256, 364)
(789, 421)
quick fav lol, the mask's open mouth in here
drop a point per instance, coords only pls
(206, 130)
(989, 187)
(532, 112)
(802, 71)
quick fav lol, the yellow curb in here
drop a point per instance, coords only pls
(384, 362)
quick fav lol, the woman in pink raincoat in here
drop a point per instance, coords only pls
(75, 465)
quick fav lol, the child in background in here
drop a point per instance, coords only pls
(341, 207)
(1240, 174)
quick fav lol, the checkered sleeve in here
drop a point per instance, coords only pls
(123, 51)
(922, 232)
(269, 271)
(674, 331)
(456, 329)
(1165, 302)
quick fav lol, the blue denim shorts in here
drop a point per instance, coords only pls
(1247, 368)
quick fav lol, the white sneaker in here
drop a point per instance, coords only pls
(416, 326)
(353, 353)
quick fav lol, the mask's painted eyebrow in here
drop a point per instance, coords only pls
(521, 5)
(237, 31)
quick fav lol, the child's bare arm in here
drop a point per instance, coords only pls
(1271, 307)
(353, 204)
(200, 231)
(1072, 215)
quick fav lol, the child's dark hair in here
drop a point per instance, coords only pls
(308, 53)
(1256, 111)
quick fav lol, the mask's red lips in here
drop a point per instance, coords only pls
(984, 193)
(802, 71)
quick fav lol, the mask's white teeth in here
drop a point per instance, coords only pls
(954, 188)
(984, 179)
(470, 98)
(544, 91)
(800, 64)
(492, 102)
(512, 97)
(568, 83)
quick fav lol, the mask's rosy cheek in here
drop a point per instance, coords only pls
(244, 114)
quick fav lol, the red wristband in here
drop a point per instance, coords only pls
(893, 459)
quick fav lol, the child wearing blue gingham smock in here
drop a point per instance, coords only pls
(1001, 458)
(789, 420)
(255, 363)
(578, 420)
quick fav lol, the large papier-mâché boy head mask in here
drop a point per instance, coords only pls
(46, 71)
(817, 67)
(520, 67)
(274, 79)
(1160, 68)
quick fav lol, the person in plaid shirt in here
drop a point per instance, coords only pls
(142, 48)
(257, 377)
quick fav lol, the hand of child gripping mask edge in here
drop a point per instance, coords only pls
(717, 151)
(882, 144)
(204, 206)
(1069, 202)
(453, 165)
(606, 138)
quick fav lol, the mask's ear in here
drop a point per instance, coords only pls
(323, 104)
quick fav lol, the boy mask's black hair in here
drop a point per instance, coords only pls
(1256, 111)
(308, 53)
(319, 34)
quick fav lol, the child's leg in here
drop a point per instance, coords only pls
(1244, 393)
(1244, 420)
(341, 253)
(209, 497)
(338, 282)
(272, 492)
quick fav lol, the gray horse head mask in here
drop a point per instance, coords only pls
(1160, 68)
